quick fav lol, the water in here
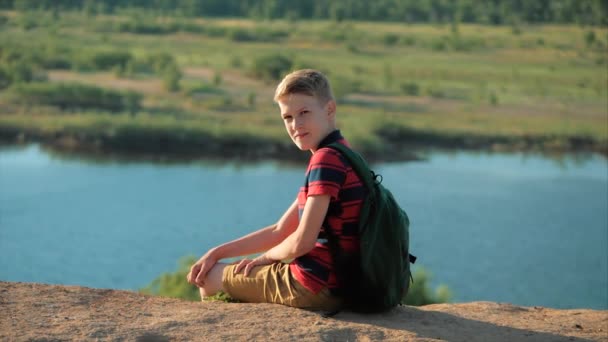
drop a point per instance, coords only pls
(501, 227)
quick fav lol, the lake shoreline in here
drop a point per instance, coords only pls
(395, 150)
(396, 146)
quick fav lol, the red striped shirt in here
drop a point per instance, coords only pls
(329, 173)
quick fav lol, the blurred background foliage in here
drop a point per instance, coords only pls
(454, 79)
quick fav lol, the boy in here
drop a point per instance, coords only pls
(328, 203)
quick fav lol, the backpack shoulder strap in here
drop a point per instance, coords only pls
(358, 164)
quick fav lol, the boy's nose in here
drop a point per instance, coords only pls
(296, 123)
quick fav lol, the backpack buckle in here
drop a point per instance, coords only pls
(375, 177)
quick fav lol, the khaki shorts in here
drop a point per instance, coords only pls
(275, 284)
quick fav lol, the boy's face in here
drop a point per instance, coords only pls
(307, 120)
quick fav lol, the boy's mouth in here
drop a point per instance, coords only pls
(300, 135)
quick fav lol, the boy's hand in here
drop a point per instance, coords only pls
(248, 264)
(198, 271)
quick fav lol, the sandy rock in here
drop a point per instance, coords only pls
(38, 312)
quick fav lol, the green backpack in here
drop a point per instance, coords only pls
(379, 277)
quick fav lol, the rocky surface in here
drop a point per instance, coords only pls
(38, 312)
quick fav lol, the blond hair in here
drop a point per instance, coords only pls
(305, 81)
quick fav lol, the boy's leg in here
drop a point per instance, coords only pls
(274, 284)
(213, 282)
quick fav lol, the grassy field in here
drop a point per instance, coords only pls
(399, 86)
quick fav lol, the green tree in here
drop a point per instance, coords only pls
(171, 77)
(20, 71)
(160, 61)
(217, 78)
(590, 38)
(5, 78)
(271, 67)
(251, 97)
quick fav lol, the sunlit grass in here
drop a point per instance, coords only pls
(543, 82)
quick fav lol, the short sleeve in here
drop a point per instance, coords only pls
(326, 173)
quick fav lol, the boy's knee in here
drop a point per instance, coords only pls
(213, 281)
(205, 292)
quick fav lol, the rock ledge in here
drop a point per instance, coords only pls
(38, 312)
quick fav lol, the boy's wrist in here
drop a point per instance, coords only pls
(267, 257)
(214, 253)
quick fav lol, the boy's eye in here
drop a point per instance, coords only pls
(304, 112)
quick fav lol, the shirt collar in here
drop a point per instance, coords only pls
(331, 138)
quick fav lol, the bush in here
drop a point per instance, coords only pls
(439, 44)
(353, 47)
(271, 67)
(165, 66)
(390, 39)
(241, 35)
(410, 88)
(217, 78)
(171, 77)
(3, 21)
(236, 62)
(56, 62)
(421, 294)
(493, 99)
(251, 97)
(271, 35)
(5, 78)
(590, 38)
(20, 72)
(175, 285)
(260, 34)
(204, 88)
(216, 31)
(28, 21)
(160, 61)
(75, 96)
(144, 27)
(409, 40)
(42, 56)
(435, 92)
(110, 59)
(106, 60)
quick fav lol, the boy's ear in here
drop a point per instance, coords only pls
(331, 107)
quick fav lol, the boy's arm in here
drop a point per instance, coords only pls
(301, 241)
(305, 236)
(263, 239)
(255, 242)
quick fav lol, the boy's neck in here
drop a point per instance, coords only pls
(330, 138)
